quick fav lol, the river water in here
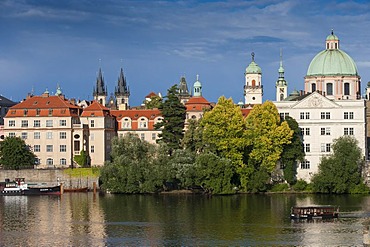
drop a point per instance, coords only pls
(85, 219)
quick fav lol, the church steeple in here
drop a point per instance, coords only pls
(281, 83)
(253, 89)
(122, 92)
(183, 90)
(197, 88)
(100, 91)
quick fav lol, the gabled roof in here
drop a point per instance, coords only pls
(95, 110)
(151, 94)
(135, 114)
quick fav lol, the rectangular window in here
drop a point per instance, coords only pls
(92, 123)
(154, 135)
(92, 136)
(62, 122)
(325, 115)
(307, 148)
(348, 115)
(36, 123)
(49, 148)
(92, 149)
(307, 131)
(143, 125)
(36, 148)
(62, 135)
(302, 131)
(307, 115)
(36, 135)
(348, 131)
(322, 147)
(351, 115)
(49, 123)
(63, 161)
(142, 136)
(305, 164)
(49, 135)
(24, 123)
(63, 148)
(76, 146)
(327, 147)
(24, 135)
(11, 123)
(325, 131)
(11, 134)
(301, 115)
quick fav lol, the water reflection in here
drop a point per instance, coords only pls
(85, 219)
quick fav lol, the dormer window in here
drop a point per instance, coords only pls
(50, 112)
(38, 112)
(25, 112)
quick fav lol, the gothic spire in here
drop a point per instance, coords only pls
(100, 88)
(122, 88)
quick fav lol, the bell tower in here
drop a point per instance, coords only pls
(281, 84)
(253, 89)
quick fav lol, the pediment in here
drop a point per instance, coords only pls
(315, 100)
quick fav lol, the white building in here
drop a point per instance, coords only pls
(331, 106)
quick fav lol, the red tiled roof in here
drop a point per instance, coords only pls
(135, 114)
(197, 104)
(151, 94)
(245, 112)
(44, 106)
(95, 109)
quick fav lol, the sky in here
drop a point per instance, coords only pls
(44, 43)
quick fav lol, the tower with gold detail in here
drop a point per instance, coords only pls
(253, 90)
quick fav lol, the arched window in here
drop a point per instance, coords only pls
(329, 89)
(346, 89)
(313, 87)
(49, 162)
(253, 83)
(281, 97)
(63, 161)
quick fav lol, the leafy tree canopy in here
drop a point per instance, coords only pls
(224, 131)
(266, 136)
(340, 172)
(16, 154)
(292, 152)
(174, 114)
(154, 102)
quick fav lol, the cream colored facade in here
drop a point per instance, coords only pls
(321, 121)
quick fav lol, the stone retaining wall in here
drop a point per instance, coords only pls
(50, 177)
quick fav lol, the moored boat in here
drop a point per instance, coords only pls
(83, 189)
(20, 187)
(312, 212)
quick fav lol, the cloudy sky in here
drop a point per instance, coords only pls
(44, 43)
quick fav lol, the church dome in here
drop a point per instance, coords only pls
(332, 61)
(253, 68)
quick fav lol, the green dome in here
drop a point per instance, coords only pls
(332, 62)
(253, 68)
(332, 36)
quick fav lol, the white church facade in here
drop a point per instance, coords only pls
(330, 106)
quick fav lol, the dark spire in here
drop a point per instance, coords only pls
(100, 88)
(183, 87)
(122, 88)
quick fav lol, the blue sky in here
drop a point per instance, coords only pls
(43, 43)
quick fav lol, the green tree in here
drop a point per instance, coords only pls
(193, 136)
(292, 152)
(154, 102)
(224, 131)
(265, 135)
(133, 168)
(16, 154)
(340, 172)
(214, 174)
(174, 114)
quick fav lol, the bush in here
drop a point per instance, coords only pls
(300, 185)
(359, 189)
(280, 187)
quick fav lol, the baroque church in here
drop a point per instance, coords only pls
(329, 107)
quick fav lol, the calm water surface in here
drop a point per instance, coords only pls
(85, 219)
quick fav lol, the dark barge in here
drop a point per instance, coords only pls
(314, 212)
